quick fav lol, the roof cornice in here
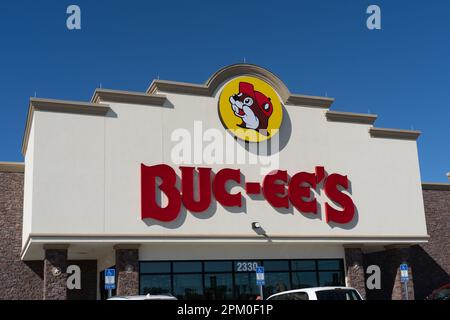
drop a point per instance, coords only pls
(340, 116)
(212, 84)
(39, 104)
(12, 167)
(131, 97)
(394, 133)
(68, 106)
(435, 186)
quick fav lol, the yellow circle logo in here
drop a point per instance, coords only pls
(250, 108)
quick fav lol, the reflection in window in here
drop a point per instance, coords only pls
(276, 265)
(155, 284)
(218, 286)
(300, 265)
(183, 267)
(329, 264)
(305, 279)
(155, 267)
(330, 278)
(218, 266)
(188, 286)
(276, 282)
(245, 286)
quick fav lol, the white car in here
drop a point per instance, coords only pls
(145, 297)
(318, 293)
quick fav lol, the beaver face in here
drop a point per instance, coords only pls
(243, 106)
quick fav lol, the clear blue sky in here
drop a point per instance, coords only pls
(401, 73)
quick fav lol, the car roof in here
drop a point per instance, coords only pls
(311, 290)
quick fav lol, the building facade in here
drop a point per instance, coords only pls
(187, 188)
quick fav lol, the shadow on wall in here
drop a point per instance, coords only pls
(265, 148)
(428, 274)
(388, 273)
(88, 289)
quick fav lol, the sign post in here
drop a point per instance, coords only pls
(404, 278)
(260, 280)
(110, 281)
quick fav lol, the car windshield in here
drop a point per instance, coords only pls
(443, 294)
(337, 294)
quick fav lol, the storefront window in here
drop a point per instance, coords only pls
(276, 282)
(188, 286)
(218, 266)
(329, 264)
(245, 287)
(276, 265)
(305, 279)
(219, 280)
(303, 265)
(155, 267)
(330, 278)
(155, 284)
(218, 286)
(185, 267)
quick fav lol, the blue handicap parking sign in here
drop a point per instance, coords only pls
(404, 276)
(110, 279)
(110, 272)
(260, 276)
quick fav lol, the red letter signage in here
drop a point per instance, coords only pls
(332, 192)
(187, 188)
(150, 207)
(299, 191)
(222, 196)
(273, 190)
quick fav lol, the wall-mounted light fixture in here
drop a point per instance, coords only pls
(56, 271)
(129, 268)
(256, 225)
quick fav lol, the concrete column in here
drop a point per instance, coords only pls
(398, 256)
(127, 269)
(55, 276)
(354, 266)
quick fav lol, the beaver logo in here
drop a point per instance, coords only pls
(250, 109)
(253, 107)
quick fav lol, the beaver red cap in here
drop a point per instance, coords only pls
(263, 102)
(247, 88)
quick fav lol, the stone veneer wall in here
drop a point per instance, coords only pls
(431, 261)
(18, 279)
(25, 279)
